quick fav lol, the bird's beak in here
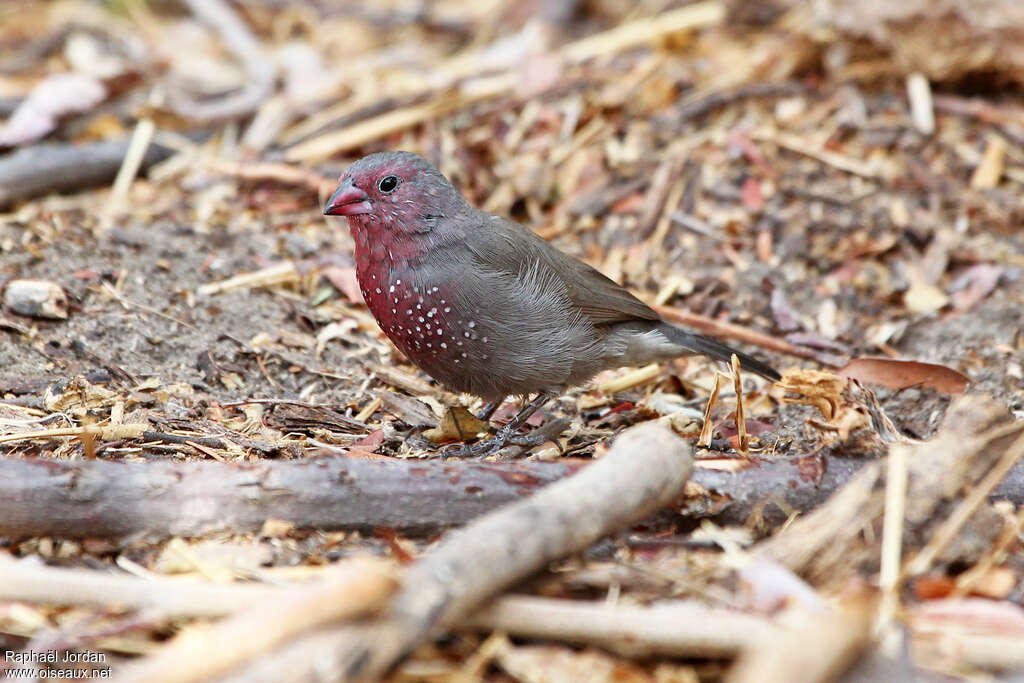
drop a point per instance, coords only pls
(347, 200)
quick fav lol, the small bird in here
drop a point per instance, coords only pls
(487, 306)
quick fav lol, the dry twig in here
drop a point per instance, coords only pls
(645, 469)
(352, 588)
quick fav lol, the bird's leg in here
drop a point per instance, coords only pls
(488, 411)
(498, 441)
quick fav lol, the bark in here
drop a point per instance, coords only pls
(97, 498)
(82, 498)
(33, 171)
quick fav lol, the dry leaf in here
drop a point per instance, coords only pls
(924, 298)
(974, 284)
(815, 388)
(458, 424)
(902, 374)
(990, 170)
(53, 97)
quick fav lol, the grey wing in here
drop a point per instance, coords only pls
(512, 248)
(517, 329)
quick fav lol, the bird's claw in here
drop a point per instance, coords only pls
(548, 432)
(489, 447)
(480, 449)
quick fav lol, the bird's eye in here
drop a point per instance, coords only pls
(388, 184)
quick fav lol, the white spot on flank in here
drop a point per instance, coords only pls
(485, 340)
(447, 309)
(472, 324)
(397, 282)
(463, 354)
(420, 318)
(391, 288)
(377, 290)
(443, 345)
(466, 335)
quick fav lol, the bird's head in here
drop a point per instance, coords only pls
(396, 191)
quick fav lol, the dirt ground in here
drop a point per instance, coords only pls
(779, 183)
(156, 328)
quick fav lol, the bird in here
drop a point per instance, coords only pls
(485, 305)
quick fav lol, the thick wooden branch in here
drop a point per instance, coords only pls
(40, 169)
(97, 498)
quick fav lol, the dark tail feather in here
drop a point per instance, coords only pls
(710, 347)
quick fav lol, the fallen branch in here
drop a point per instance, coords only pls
(645, 469)
(79, 498)
(673, 629)
(99, 498)
(34, 171)
(25, 581)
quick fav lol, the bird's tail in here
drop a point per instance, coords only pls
(709, 347)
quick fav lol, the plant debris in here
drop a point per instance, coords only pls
(192, 385)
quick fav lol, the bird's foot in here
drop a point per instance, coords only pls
(504, 437)
(480, 449)
(540, 435)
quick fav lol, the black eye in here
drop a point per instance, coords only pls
(387, 184)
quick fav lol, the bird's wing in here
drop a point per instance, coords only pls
(506, 246)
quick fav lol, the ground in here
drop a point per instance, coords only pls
(777, 182)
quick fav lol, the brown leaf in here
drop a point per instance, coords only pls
(458, 424)
(822, 390)
(901, 374)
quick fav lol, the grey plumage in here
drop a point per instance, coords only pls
(550, 320)
(484, 304)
